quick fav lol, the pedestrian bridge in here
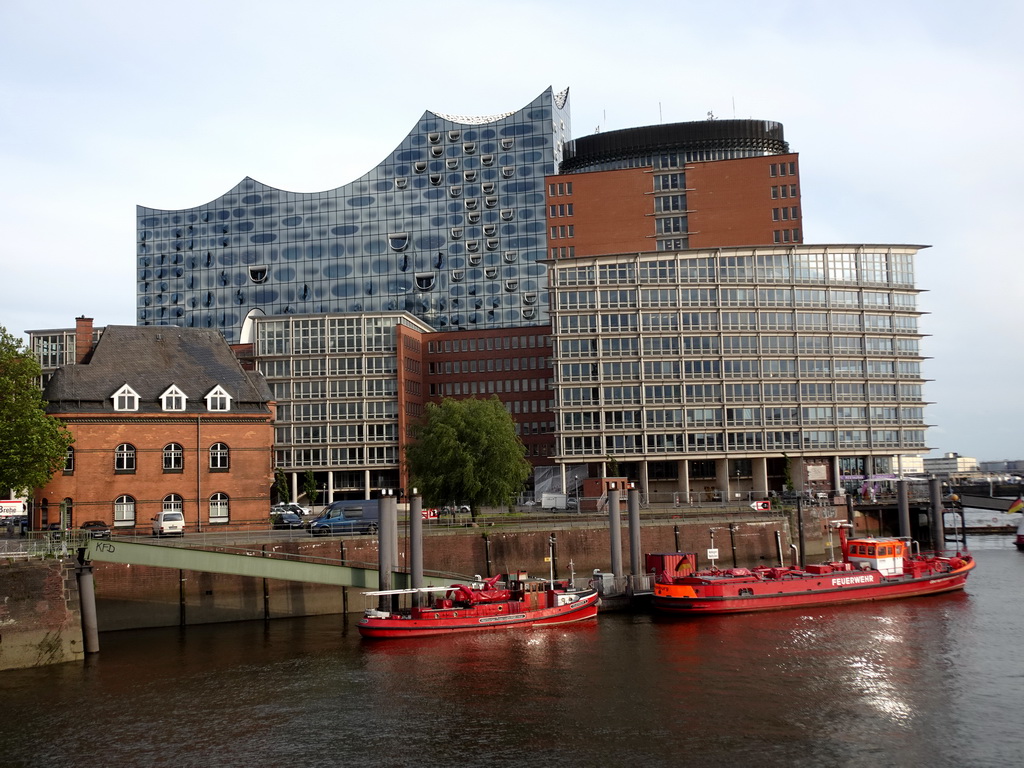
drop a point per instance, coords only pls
(258, 563)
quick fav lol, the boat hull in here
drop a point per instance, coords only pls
(809, 590)
(430, 622)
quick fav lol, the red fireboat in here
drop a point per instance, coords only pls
(522, 602)
(871, 569)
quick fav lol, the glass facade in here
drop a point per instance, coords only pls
(450, 228)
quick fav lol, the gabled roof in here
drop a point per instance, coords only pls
(150, 359)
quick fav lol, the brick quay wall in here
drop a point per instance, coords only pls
(131, 596)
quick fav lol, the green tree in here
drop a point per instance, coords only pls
(33, 445)
(310, 489)
(281, 489)
(467, 451)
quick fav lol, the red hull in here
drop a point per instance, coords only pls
(508, 615)
(725, 593)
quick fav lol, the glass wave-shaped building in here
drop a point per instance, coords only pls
(450, 227)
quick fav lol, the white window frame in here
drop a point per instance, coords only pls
(170, 398)
(125, 399)
(217, 396)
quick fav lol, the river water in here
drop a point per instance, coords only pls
(936, 681)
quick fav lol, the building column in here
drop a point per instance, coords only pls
(330, 486)
(684, 480)
(760, 475)
(366, 483)
(722, 477)
(836, 482)
(644, 478)
(295, 487)
(561, 471)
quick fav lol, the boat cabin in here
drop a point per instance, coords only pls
(883, 555)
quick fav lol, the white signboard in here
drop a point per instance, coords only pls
(713, 554)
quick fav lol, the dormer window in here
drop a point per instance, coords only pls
(470, 175)
(437, 151)
(398, 241)
(419, 166)
(507, 143)
(508, 171)
(434, 137)
(469, 147)
(490, 229)
(454, 135)
(458, 275)
(173, 399)
(452, 163)
(473, 217)
(487, 187)
(487, 159)
(425, 282)
(126, 399)
(218, 399)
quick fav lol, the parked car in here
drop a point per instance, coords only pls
(97, 529)
(286, 521)
(169, 524)
(361, 516)
(295, 509)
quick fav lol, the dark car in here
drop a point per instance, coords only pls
(97, 528)
(286, 520)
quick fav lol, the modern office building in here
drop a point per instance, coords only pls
(710, 372)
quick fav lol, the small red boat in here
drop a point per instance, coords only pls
(871, 569)
(481, 606)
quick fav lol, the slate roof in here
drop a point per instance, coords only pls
(150, 359)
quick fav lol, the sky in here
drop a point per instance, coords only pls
(906, 116)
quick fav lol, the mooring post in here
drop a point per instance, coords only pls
(903, 506)
(87, 604)
(416, 545)
(633, 505)
(387, 533)
(615, 530)
(938, 524)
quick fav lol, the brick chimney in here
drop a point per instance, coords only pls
(83, 339)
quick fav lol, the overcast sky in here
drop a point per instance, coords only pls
(907, 117)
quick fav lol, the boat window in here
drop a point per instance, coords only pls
(871, 551)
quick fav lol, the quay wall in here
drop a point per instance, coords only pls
(40, 617)
(131, 596)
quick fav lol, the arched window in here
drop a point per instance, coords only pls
(173, 503)
(124, 458)
(219, 508)
(219, 457)
(124, 511)
(66, 508)
(69, 461)
(174, 458)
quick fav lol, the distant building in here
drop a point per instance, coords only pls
(163, 418)
(951, 465)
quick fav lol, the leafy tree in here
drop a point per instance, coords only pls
(309, 488)
(467, 451)
(281, 489)
(33, 445)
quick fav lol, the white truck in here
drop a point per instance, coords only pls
(552, 501)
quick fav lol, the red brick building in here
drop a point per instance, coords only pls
(164, 418)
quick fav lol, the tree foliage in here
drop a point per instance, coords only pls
(467, 451)
(281, 488)
(33, 445)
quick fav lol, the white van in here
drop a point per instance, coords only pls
(169, 524)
